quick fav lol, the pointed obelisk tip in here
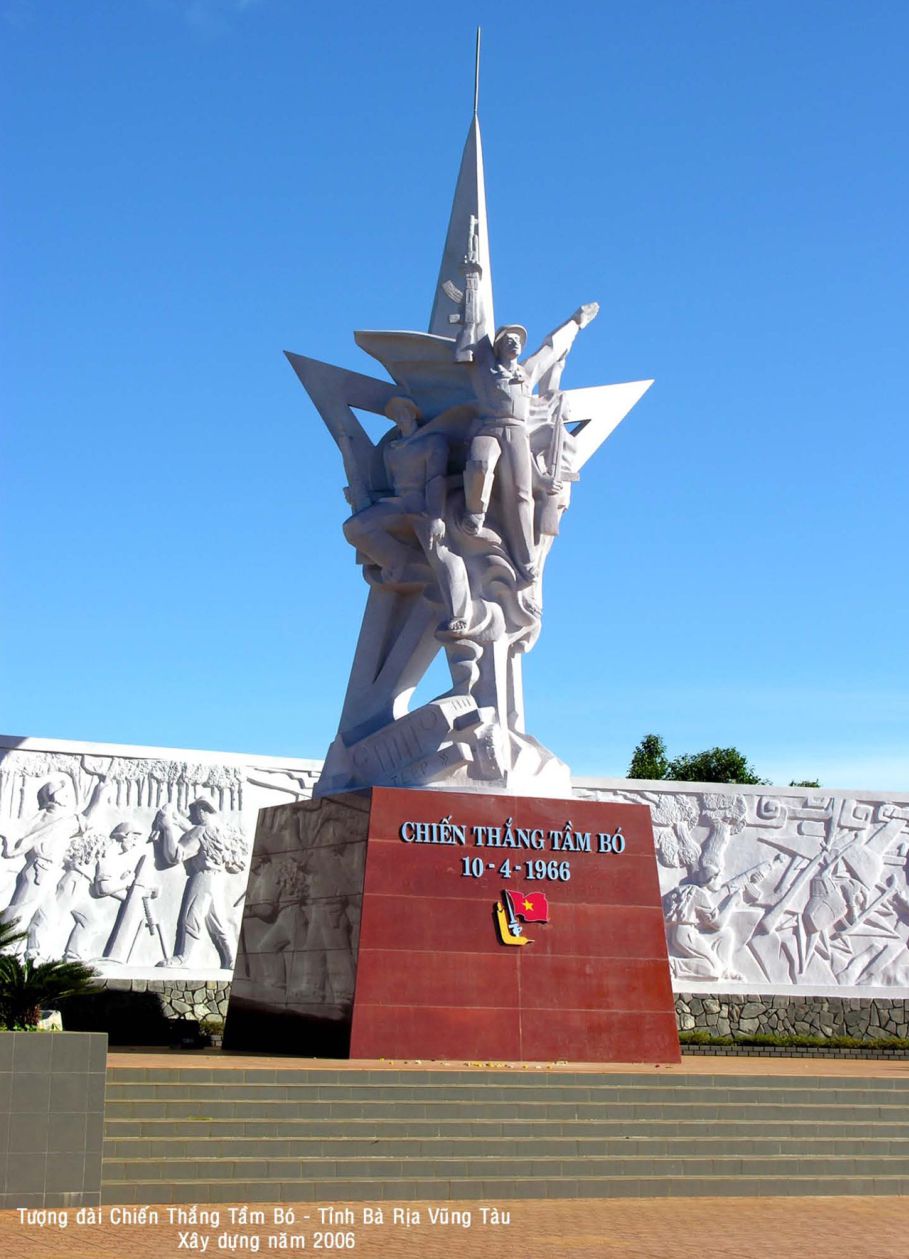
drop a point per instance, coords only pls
(476, 77)
(466, 242)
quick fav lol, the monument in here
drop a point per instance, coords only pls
(371, 927)
(453, 514)
(367, 906)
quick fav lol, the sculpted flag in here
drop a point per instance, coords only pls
(531, 906)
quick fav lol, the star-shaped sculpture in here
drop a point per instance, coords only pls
(454, 511)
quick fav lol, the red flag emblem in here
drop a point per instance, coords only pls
(531, 906)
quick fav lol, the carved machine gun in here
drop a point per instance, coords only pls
(468, 298)
(733, 886)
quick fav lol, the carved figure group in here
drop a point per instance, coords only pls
(299, 926)
(818, 892)
(94, 874)
(416, 466)
(497, 489)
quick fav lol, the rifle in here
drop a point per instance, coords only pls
(732, 886)
(357, 492)
(554, 475)
(468, 297)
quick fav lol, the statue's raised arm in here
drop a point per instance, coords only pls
(559, 342)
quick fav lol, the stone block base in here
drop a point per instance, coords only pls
(866, 1018)
(145, 1011)
(374, 930)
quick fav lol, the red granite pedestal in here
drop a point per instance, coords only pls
(377, 925)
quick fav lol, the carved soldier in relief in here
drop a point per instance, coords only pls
(208, 852)
(43, 843)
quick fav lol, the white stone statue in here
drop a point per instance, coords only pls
(99, 866)
(500, 437)
(417, 465)
(454, 513)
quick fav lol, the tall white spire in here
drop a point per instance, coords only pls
(467, 237)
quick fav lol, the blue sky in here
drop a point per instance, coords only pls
(193, 186)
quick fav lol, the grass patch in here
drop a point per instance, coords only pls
(794, 1042)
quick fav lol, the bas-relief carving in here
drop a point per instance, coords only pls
(767, 891)
(453, 516)
(135, 865)
(301, 921)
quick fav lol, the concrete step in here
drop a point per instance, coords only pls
(226, 1108)
(476, 1146)
(514, 1129)
(518, 1165)
(546, 1078)
(498, 1189)
(643, 1094)
(299, 1135)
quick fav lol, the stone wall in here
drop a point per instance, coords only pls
(866, 1018)
(721, 1014)
(179, 999)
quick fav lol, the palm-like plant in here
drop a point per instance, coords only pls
(10, 935)
(27, 987)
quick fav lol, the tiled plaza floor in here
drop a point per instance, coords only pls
(706, 1228)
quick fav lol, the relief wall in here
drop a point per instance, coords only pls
(136, 860)
(133, 860)
(773, 889)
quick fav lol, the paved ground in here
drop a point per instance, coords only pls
(210, 1059)
(716, 1228)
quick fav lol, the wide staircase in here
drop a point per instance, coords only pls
(297, 1134)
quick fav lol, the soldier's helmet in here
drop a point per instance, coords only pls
(518, 329)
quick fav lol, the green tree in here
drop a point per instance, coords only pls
(649, 759)
(714, 765)
(27, 987)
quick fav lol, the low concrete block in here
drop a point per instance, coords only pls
(52, 1086)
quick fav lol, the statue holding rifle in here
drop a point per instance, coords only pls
(500, 443)
(453, 519)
